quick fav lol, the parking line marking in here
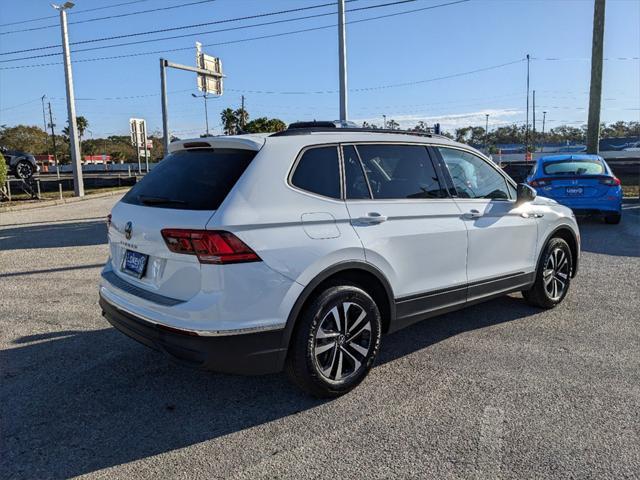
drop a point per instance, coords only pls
(489, 460)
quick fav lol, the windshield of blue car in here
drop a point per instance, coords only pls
(574, 167)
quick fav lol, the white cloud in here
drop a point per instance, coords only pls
(452, 121)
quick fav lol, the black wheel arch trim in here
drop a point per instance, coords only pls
(575, 258)
(321, 277)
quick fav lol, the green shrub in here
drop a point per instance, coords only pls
(3, 171)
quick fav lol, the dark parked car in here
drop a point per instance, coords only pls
(20, 164)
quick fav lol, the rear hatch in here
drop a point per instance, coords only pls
(182, 192)
(573, 178)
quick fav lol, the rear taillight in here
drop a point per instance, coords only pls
(215, 247)
(541, 182)
(612, 182)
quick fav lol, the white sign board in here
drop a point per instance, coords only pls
(209, 83)
(138, 129)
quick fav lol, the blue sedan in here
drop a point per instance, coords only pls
(584, 183)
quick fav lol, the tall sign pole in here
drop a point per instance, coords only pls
(595, 91)
(209, 70)
(74, 145)
(342, 53)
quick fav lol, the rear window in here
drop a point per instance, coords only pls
(191, 180)
(574, 167)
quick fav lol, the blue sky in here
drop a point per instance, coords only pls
(283, 76)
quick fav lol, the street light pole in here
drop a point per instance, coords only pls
(74, 146)
(384, 122)
(342, 54)
(206, 113)
(526, 134)
(486, 132)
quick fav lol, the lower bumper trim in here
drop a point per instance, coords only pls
(245, 354)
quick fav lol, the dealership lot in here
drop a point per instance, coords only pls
(496, 390)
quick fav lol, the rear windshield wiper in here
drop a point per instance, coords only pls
(147, 200)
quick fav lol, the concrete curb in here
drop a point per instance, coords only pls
(52, 203)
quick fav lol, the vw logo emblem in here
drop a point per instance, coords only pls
(128, 228)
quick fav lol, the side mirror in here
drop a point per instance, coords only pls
(525, 194)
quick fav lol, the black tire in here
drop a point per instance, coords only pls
(320, 345)
(541, 294)
(24, 170)
(613, 219)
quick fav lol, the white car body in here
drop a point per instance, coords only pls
(430, 255)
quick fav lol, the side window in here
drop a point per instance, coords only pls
(400, 171)
(473, 177)
(355, 182)
(318, 171)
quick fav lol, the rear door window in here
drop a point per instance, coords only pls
(191, 179)
(400, 171)
(318, 171)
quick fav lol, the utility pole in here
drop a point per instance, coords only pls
(53, 138)
(342, 54)
(526, 134)
(74, 146)
(384, 122)
(595, 91)
(486, 132)
(544, 117)
(44, 124)
(242, 113)
(534, 120)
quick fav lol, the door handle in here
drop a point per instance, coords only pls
(471, 214)
(372, 218)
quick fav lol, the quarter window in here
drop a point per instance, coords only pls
(318, 171)
(400, 171)
(473, 177)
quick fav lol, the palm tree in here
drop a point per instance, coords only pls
(242, 116)
(81, 123)
(229, 121)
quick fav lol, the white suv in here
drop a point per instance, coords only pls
(298, 250)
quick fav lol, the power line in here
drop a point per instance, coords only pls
(139, 12)
(182, 27)
(196, 34)
(73, 13)
(261, 37)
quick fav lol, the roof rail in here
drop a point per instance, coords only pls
(322, 128)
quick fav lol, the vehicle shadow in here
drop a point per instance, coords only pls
(52, 235)
(75, 402)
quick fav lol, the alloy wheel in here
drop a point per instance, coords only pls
(342, 342)
(556, 274)
(23, 170)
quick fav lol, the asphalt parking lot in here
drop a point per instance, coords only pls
(499, 390)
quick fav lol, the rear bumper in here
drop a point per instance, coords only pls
(591, 206)
(245, 354)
